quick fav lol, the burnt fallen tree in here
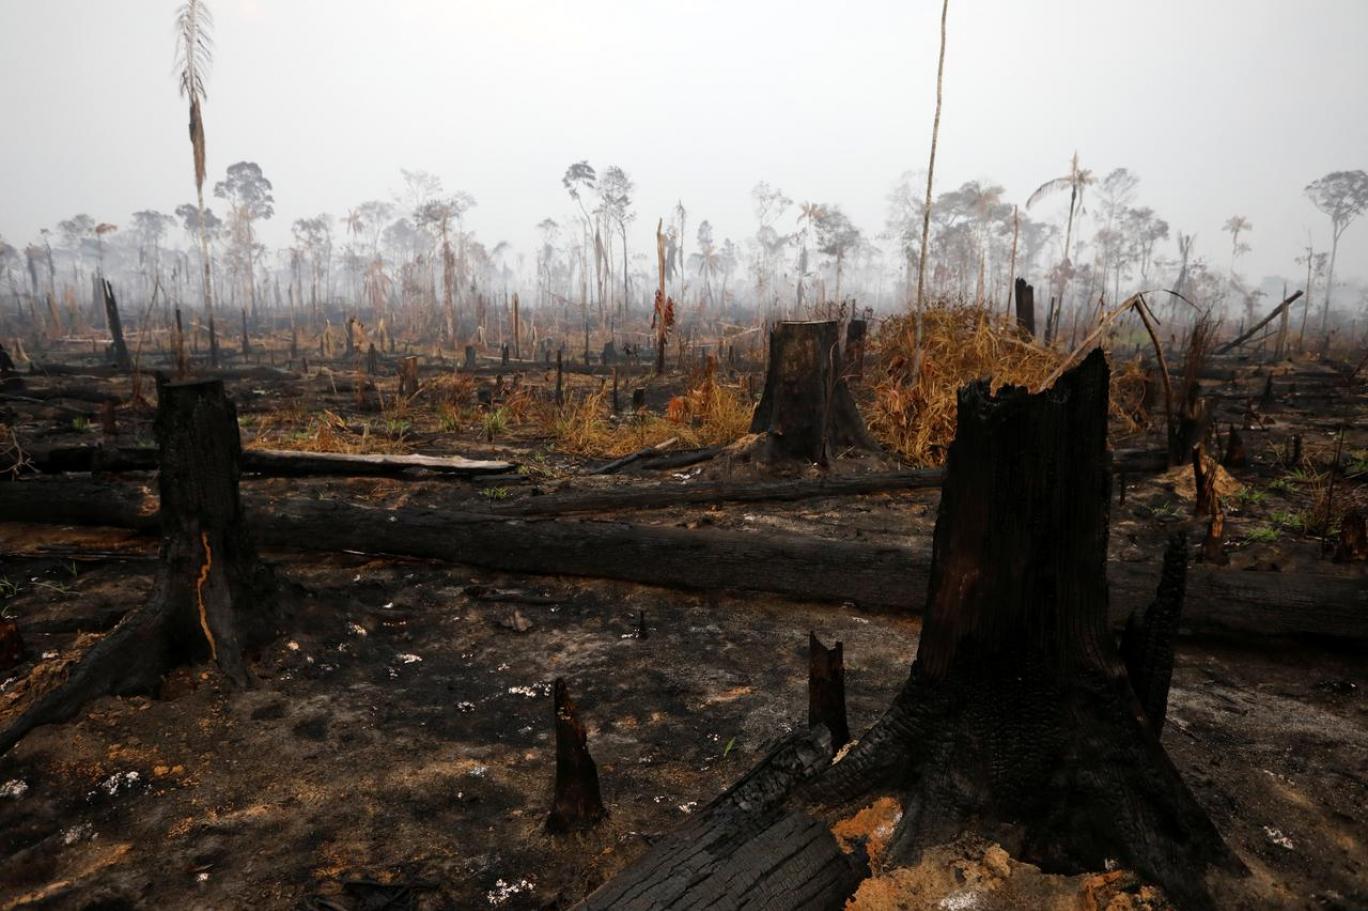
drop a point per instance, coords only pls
(212, 598)
(266, 462)
(803, 567)
(1018, 721)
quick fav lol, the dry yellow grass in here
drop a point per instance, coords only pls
(915, 416)
(709, 414)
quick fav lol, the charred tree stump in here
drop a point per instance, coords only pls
(1025, 306)
(1266, 398)
(1190, 426)
(577, 804)
(111, 306)
(1018, 721)
(826, 690)
(1353, 537)
(212, 599)
(408, 376)
(560, 376)
(11, 645)
(806, 410)
(471, 361)
(1204, 484)
(1148, 641)
(1235, 454)
(857, 332)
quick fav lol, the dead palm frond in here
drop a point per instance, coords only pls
(194, 50)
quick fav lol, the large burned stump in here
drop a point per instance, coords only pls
(212, 599)
(1018, 721)
(806, 411)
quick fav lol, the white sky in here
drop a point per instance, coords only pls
(1220, 106)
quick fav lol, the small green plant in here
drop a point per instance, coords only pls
(1281, 485)
(495, 493)
(494, 423)
(1285, 519)
(1262, 535)
(397, 427)
(8, 589)
(1302, 476)
(1250, 496)
(1166, 510)
(728, 748)
(80, 423)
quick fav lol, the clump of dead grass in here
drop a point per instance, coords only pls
(709, 414)
(914, 416)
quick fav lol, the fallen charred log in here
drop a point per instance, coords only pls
(872, 576)
(266, 462)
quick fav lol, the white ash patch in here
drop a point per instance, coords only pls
(15, 788)
(82, 832)
(1278, 838)
(408, 659)
(357, 630)
(537, 689)
(503, 891)
(117, 783)
(465, 705)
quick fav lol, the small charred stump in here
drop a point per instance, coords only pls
(1235, 454)
(577, 804)
(857, 333)
(1204, 484)
(212, 599)
(12, 649)
(1148, 641)
(408, 376)
(806, 410)
(1189, 427)
(1353, 537)
(121, 358)
(826, 690)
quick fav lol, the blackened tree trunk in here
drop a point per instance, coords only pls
(857, 332)
(1018, 720)
(212, 598)
(1025, 306)
(806, 409)
(111, 306)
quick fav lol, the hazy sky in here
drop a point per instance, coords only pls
(1220, 106)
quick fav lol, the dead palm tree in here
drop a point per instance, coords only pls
(194, 52)
(1076, 182)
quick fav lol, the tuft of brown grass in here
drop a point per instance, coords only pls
(709, 414)
(914, 416)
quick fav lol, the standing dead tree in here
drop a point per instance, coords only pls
(1018, 720)
(212, 598)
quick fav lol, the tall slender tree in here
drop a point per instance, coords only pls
(194, 53)
(931, 169)
(1343, 195)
